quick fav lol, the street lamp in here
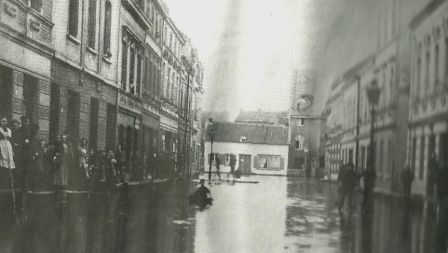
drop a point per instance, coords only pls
(211, 135)
(373, 95)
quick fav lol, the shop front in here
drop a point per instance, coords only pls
(150, 138)
(169, 145)
(129, 121)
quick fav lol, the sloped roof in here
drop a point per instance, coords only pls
(260, 117)
(256, 134)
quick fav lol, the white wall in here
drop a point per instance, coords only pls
(248, 149)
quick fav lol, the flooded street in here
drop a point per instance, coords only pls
(278, 214)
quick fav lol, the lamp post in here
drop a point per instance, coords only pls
(211, 135)
(373, 95)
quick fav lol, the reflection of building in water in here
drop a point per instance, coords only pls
(259, 149)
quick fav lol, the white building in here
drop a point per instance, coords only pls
(428, 107)
(258, 149)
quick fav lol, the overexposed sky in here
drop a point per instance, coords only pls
(270, 41)
(249, 48)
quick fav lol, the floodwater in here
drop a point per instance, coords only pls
(276, 215)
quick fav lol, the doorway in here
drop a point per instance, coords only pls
(6, 92)
(245, 164)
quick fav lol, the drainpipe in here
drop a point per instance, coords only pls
(116, 75)
(187, 103)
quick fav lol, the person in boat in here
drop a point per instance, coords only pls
(202, 196)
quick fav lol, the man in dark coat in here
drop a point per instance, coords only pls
(201, 196)
(407, 176)
(24, 150)
(347, 181)
(232, 163)
(218, 165)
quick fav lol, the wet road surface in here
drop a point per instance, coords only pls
(276, 215)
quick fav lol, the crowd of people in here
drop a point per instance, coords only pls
(31, 163)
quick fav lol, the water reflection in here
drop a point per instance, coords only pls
(276, 215)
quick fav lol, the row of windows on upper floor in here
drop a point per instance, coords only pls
(140, 67)
(428, 74)
(141, 74)
(153, 14)
(74, 18)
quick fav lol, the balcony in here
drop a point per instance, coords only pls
(27, 24)
(137, 9)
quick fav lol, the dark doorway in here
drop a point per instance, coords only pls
(72, 126)
(31, 98)
(245, 164)
(6, 92)
(93, 128)
(111, 126)
(55, 104)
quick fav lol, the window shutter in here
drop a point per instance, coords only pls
(256, 162)
(282, 163)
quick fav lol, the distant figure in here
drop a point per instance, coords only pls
(442, 219)
(232, 163)
(433, 167)
(218, 165)
(347, 180)
(6, 149)
(407, 176)
(202, 196)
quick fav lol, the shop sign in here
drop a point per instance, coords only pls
(151, 109)
(130, 104)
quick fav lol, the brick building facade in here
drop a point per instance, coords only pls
(95, 70)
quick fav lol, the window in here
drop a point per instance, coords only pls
(299, 142)
(107, 28)
(422, 157)
(428, 62)
(301, 122)
(92, 24)
(413, 153)
(36, 5)
(436, 65)
(271, 162)
(148, 74)
(132, 70)
(139, 74)
(418, 78)
(73, 18)
(124, 64)
(446, 59)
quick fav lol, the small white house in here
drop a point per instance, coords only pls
(258, 149)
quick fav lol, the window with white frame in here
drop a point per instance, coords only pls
(269, 162)
(131, 64)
